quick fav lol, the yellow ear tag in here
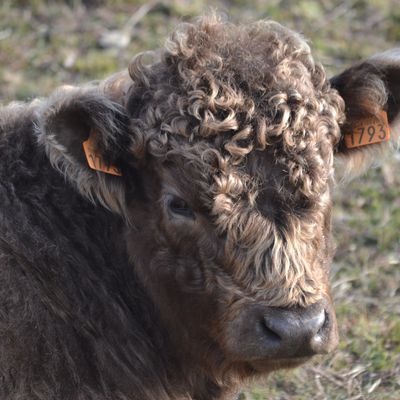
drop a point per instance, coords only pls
(368, 131)
(95, 160)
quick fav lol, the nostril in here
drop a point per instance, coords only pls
(325, 322)
(320, 322)
(269, 333)
(318, 341)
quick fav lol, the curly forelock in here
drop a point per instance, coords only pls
(245, 90)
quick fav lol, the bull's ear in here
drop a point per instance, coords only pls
(85, 135)
(371, 92)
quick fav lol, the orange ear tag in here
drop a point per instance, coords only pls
(368, 131)
(95, 160)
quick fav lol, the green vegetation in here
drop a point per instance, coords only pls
(46, 43)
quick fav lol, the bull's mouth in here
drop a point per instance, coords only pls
(265, 366)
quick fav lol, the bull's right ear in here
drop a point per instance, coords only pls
(86, 137)
(371, 93)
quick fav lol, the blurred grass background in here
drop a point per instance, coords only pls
(47, 43)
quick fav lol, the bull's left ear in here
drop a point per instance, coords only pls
(371, 92)
(86, 136)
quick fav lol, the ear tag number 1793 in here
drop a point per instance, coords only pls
(369, 131)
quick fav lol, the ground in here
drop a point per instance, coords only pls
(46, 43)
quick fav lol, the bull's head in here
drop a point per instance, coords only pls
(226, 144)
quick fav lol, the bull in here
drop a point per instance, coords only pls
(166, 233)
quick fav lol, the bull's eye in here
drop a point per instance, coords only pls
(178, 206)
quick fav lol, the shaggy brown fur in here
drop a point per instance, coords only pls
(244, 92)
(221, 218)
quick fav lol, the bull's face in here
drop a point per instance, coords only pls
(242, 269)
(226, 146)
